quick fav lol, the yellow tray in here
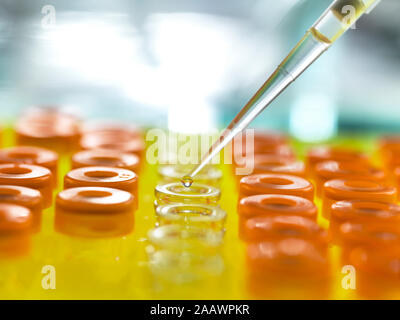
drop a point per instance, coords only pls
(63, 267)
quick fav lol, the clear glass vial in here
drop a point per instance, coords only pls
(176, 193)
(182, 254)
(199, 215)
(210, 175)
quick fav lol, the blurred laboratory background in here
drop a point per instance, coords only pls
(190, 65)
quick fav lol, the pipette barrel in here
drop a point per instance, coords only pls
(333, 23)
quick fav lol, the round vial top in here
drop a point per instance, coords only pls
(329, 170)
(276, 204)
(281, 150)
(265, 137)
(47, 123)
(29, 155)
(324, 153)
(346, 189)
(111, 128)
(276, 184)
(102, 177)
(95, 199)
(25, 175)
(260, 140)
(113, 140)
(264, 163)
(32, 155)
(106, 158)
(177, 193)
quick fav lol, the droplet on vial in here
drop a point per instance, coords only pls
(187, 181)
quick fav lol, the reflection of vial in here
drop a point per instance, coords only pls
(184, 254)
(202, 216)
(172, 173)
(75, 260)
(16, 263)
(175, 193)
(17, 272)
(15, 230)
(94, 225)
(180, 238)
(289, 267)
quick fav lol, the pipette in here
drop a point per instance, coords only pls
(335, 21)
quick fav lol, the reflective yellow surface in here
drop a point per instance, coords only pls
(118, 268)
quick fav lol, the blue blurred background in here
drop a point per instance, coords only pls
(190, 65)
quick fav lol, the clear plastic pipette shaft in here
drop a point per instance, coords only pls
(336, 20)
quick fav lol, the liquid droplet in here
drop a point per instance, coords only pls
(187, 181)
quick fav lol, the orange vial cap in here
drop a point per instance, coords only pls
(270, 205)
(114, 140)
(262, 139)
(106, 158)
(32, 155)
(281, 150)
(30, 176)
(276, 184)
(389, 148)
(329, 170)
(94, 212)
(107, 177)
(15, 229)
(282, 166)
(265, 163)
(342, 189)
(48, 128)
(280, 227)
(324, 153)
(25, 197)
(116, 129)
